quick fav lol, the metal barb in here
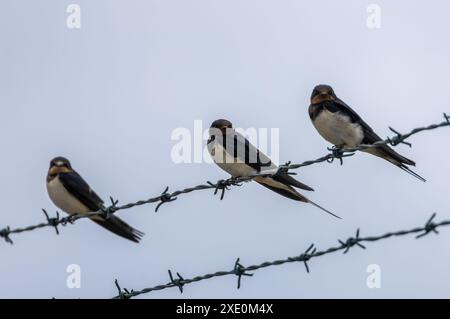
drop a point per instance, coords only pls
(165, 198)
(337, 153)
(240, 271)
(53, 221)
(179, 282)
(123, 293)
(352, 241)
(111, 209)
(223, 185)
(4, 233)
(306, 256)
(284, 169)
(447, 119)
(429, 227)
(399, 138)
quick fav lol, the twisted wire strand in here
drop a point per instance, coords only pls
(311, 252)
(219, 186)
(398, 138)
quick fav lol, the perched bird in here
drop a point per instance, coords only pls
(337, 123)
(232, 152)
(69, 192)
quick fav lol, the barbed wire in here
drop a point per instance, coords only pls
(398, 138)
(219, 186)
(311, 252)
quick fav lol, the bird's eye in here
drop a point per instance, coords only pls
(66, 165)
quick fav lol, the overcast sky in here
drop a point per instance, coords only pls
(109, 95)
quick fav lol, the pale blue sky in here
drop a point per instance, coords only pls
(109, 95)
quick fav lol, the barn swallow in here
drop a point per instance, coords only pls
(69, 192)
(337, 123)
(232, 152)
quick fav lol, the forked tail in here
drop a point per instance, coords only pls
(325, 210)
(410, 171)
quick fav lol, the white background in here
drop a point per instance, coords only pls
(109, 95)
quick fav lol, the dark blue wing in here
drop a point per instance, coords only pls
(76, 186)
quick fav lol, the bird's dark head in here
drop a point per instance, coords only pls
(59, 165)
(222, 125)
(322, 93)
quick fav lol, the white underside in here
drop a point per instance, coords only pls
(337, 129)
(235, 167)
(63, 199)
(238, 168)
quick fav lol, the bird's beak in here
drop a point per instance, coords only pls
(322, 97)
(54, 170)
(224, 129)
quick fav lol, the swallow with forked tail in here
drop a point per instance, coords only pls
(69, 192)
(337, 123)
(232, 152)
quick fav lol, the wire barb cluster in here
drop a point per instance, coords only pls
(220, 186)
(311, 252)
